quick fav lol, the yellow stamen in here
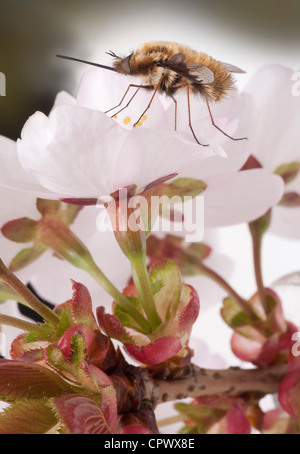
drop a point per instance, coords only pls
(126, 120)
(144, 117)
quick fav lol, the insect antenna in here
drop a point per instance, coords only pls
(112, 54)
(221, 130)
(65, 57)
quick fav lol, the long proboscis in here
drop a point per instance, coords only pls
(65, 57)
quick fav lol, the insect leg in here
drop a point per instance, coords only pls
(175, 102)
(221, 130)
(190, 122)
(155, 91)
(115, 114)
(128, 88)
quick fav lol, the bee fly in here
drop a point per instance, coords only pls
(167, 67)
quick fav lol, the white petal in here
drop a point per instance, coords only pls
(152, 155)
(216, 165)
(12, 174)
(63, 98)
(73, 152)
(241, 197)
(277, 133)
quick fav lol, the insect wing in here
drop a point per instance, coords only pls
(232, 68)
(196, 72)
(201, 73)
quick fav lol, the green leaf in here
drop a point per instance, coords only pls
(65, 322)
(156, 286)
(27, 417)
(124, 315)
(167, 298)
(78, 348)
(27, 256)
(232, 314)
(56, 358)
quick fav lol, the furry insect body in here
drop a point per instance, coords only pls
(150, 61)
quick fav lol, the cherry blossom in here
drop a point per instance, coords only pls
(271, 112)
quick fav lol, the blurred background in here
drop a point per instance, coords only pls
(245, 33)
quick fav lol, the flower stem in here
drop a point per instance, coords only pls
(121, 299)
(143, 286)
(21, 324)
(257, 235)
(224, 284)
(33, 302)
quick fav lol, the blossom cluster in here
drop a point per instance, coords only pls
(68, 166)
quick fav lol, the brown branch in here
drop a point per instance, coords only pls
(231, 382)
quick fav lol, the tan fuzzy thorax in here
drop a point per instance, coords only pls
(145, 60)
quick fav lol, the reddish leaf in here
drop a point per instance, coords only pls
(244, 348)
(289, 393)
(109, 405)
(188, 309)
(27, 351)
(112, 326)
(98, 380)
(130, 290)
(129, 430)
(186, 256)
(65, 343)
(268, 351)
(27, 417)
(278, 422)
(81, 415)
(156, 352)
(236, 421)
(25, 380)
